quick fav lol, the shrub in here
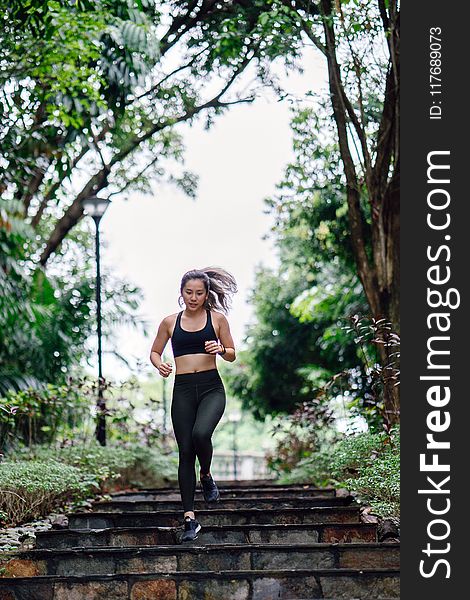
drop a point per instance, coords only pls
(378, 480)
(353, 452)
(151, 468)
(366, 464)
(104, 463)
(40, 416)
(30, 489)
(314, 468)
(289, 452)
(39, 479)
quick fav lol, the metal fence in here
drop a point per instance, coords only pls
(242, 465)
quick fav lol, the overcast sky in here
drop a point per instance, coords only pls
(153, 240)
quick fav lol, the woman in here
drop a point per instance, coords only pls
(198, 334)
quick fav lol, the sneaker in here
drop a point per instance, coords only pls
(191, 528)
(209, 489)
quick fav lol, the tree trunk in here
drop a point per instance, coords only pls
(380, 274)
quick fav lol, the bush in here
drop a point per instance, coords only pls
(151, 468)
(39, 479)
(378, 480)
(104, 463)
(287, 454)
(314, 468)
(31, 489)
(40, 416)
(353, 452)
(366, 464)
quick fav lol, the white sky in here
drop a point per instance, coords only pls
(153, 240)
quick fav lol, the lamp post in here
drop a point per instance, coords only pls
(95, 207)
(234, 417)
(165, 406)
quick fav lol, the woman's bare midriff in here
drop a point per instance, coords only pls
(192, 363)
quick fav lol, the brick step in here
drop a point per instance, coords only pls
(224, 503)
(215, 516)
(225, 557)
(332, 584)
(228, 492)
(210, 534)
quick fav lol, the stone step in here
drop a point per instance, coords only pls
(302, 584)
(225, 557)
(224, 503)
(241, 485)
(215, 516)
(211, 534)
(257, 492)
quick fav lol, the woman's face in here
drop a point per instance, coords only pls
(194, 294)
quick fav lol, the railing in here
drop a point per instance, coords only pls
(249, 465)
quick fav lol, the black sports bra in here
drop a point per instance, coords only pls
(191, 342)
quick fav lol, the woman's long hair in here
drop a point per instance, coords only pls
(220, 284)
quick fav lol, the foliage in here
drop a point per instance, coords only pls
(65, 414)
(34, 416)
(370, 335)
(361, 388)
(106, 100)
(134, 413)
(46, 319)
(339, 200)
(287, 358)
(367, 464)
(302, 434)
(309, 209)
(312, 467)
(34, 481)
(317, 283)
(299, 340)
(291, 451)
(310, 448)
(31, 489)
(75, 58)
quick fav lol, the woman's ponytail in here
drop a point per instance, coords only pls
(220, 284)
(221, 288)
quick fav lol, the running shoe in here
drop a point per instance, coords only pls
(209, 489)
(191, 528)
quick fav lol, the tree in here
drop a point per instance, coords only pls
(287, 358)
(360, 41)
(380, 170)
(46, 320)
(318, 272)
(123, 134)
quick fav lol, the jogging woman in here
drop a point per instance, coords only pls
(198, 334)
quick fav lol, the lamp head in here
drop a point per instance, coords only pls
(234, 417)
(94, 206)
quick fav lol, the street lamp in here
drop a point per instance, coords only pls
(95, 207)
(234, 418)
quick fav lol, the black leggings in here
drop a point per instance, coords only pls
(197, 406)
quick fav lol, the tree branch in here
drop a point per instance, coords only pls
(131, 181)
(100, 179)
(174, 72)
(55, 187)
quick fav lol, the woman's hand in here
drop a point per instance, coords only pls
(213, 347)
(165, 369)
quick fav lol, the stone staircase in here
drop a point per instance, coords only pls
(261, 541)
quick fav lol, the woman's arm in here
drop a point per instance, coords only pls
(159, 343)
(226, 340)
